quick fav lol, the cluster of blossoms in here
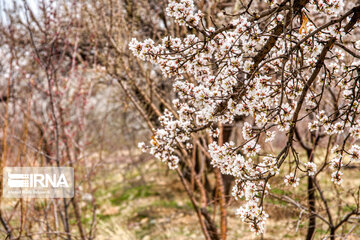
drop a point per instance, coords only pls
(336, 163)
(330, 7)
(229, 162)
(331, 127)
(184, 12)
(228, 80)
(254, 215)
(225, 158)
(251, 212)
(166, 139)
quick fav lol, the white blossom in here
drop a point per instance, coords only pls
(310, 168)
(291, 180)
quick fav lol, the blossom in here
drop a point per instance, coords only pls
(355, 131)
(270, 136)
(247, 131)
(336, 177)
(269, 164)
(355, 152)
(291, 180)
(313, 126)
(310, 168)
(142, 146)
(335, 163)
(247, 66)
(251, 148)
(357, 44)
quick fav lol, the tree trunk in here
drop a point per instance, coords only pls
(311, 202)
(332, 233)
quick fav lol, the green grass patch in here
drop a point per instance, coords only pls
(131, 193)
(279, 191)
(276, 201)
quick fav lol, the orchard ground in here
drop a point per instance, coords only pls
(141, 199)
(145, 200)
